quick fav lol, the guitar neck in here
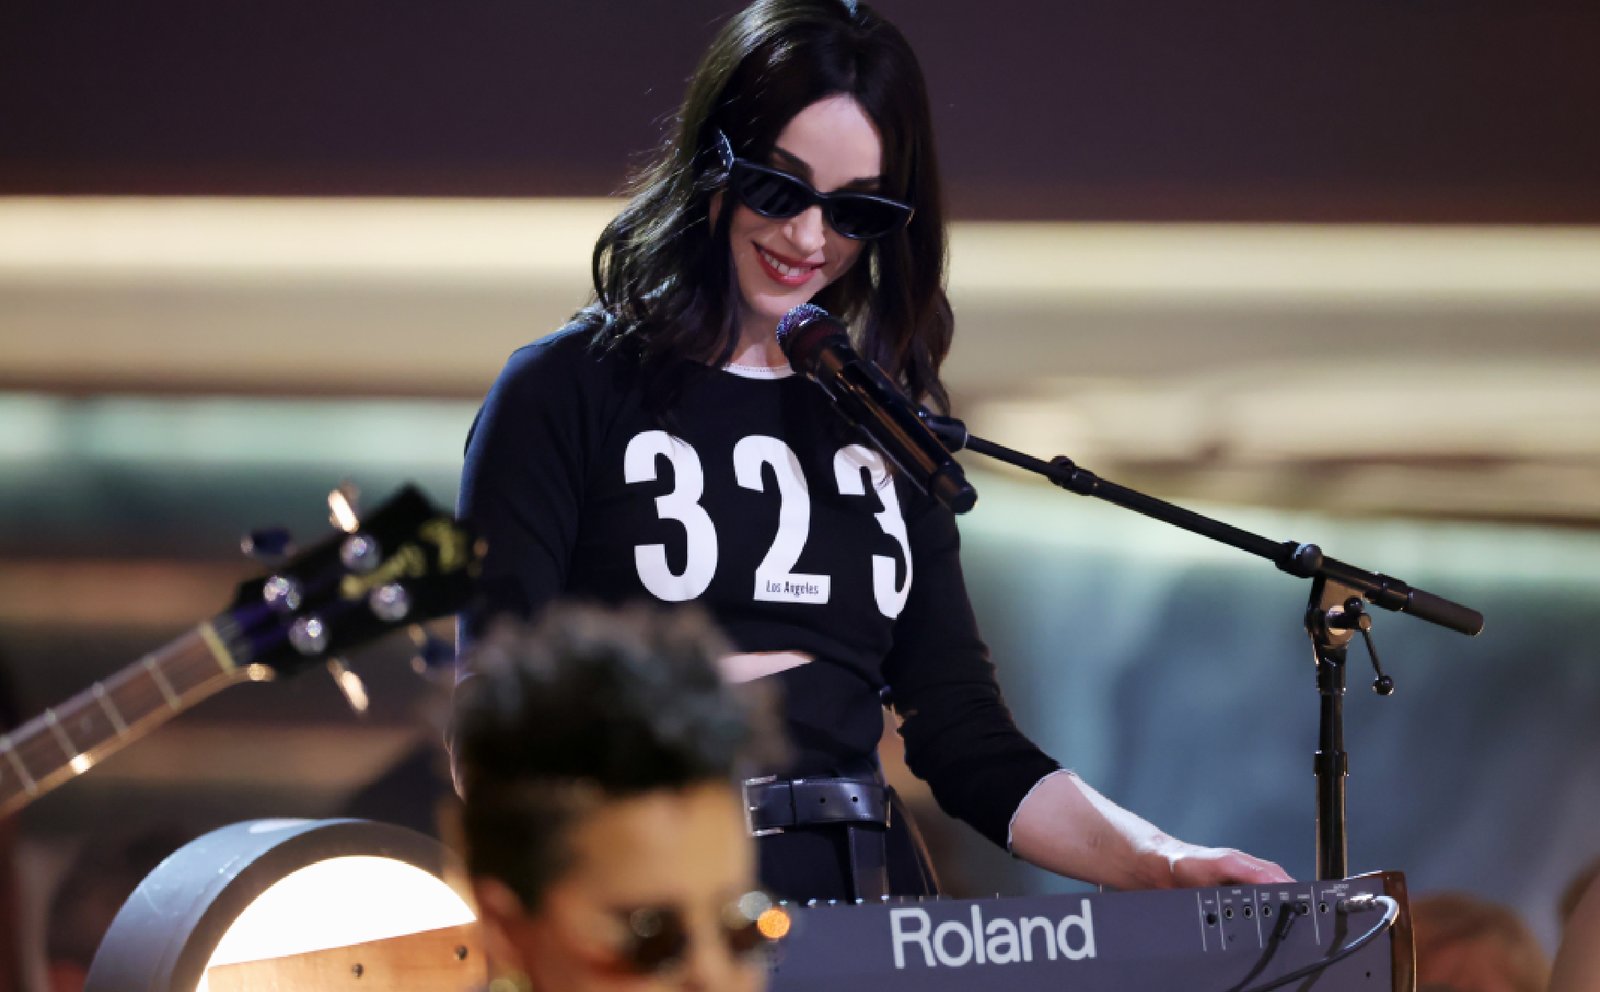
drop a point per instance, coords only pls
(65, 741)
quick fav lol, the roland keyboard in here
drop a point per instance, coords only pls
(1179, 940)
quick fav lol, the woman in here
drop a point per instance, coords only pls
(659, 447)
(600, 815)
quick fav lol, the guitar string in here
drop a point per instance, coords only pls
(86, 724)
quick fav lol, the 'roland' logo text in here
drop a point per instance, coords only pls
(954, 944)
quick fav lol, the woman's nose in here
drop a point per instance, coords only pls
(805, 231)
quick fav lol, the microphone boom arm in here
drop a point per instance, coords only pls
(1331, 618)
(1304, 561)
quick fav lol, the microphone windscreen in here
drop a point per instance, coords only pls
(797, 318)
(800, 332)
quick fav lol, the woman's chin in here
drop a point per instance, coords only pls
(772, 307)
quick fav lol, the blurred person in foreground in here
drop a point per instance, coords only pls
(1468, 944)
(597, 755)
(1577, 964)
(1577, 886)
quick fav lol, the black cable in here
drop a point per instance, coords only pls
(1391, 912)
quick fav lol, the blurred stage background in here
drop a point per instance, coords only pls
(1331, 273)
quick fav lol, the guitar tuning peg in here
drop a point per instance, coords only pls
(350, 685)
(309, 635)
(269, 544)
(343, 501)
(360, 554)
(283, 595)
(433, 654)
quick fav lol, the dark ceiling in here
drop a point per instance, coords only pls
(1372, 110)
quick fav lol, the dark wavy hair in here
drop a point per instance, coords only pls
(662, 276)
(587, 706)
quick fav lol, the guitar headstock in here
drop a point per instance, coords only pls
(402, 564)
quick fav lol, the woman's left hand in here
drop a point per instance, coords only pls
(1067, 827)
(1208, 867)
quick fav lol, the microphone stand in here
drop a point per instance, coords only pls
(1335, 614)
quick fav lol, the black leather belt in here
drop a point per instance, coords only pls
(773, 805)
(860, 806)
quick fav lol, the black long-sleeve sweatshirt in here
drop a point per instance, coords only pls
(751, 501)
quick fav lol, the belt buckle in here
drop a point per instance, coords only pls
(749, 824)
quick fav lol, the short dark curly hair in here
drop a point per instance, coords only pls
(588, 705)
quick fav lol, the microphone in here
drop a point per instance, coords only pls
(818, 347)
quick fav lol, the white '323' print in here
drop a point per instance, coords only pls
(856, 469)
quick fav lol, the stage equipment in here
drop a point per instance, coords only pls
(921, 444)
(404, 563)
(1335, 613)
(271, 888)
(1352, 935)
(818, 347)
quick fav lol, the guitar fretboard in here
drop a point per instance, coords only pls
(67, 740)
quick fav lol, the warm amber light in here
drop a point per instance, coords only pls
(350, 899)
(773, 923)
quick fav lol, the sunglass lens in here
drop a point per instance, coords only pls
(658, 940)
(864, 217)
(744, 938)
(770, 194)
(746, 926)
